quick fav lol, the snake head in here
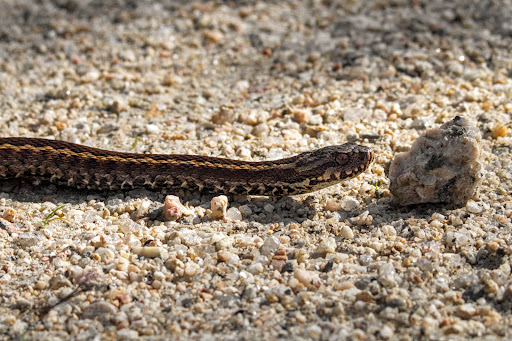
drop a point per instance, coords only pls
(330, 165)
(351, 160)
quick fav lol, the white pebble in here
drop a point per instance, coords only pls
(243, 153)
(349, 204)
(315, 332)
(474, 207)
(148, 251)
(386, 332)
(347, 233)
(152, 129)
(255, 269)
(387, 275)
(388, 230)
(234, 214)
(327, 245)
(218, 206)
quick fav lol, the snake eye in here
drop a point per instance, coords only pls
(341, 159)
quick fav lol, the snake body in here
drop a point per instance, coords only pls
(83, 167)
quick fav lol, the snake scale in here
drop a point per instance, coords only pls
(83, 167)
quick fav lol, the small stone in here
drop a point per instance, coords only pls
(364, 219)
(280, 255)
(256, 268)
(191, 269)
(327, 245)
(148, 251)
(8, 226)
(277, 264)
(349, 204)
(233, 214)
(314, 332)
(388, 230)
(219, 206)
(443, 165)
(302, 115)
(213, 36)
(268, 208)
(243, 153)
(466, 311)
(455, 67)
(106, 255)
(245, 210)
(386, 332)
(41, 285)
(499, 130)
(173, 209)
(474, 207)
(226, 114)
(346, 232)
(100, 310)
(332, 205)
(356, 115)
(59, 281)
(152, 129)
(29, 239)
(270, 246)
(116, 107)
(223, 255)
(9, 214)
(344, 285)
(307, 278)
(387, 275)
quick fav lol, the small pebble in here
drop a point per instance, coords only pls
(388, 230)
(152, 129)
(173, 208)
(223, 255)
(499, 130)
(332, 205)
(233, 214)
(349, 204)
(148, 251)
(474, 207)
(327, 245)
(219, 206)
(270, 246)
(346, 232)
(307, 278)
(245, 210)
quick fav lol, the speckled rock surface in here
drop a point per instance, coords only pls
(443, 166)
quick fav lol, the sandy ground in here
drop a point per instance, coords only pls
(255, 80)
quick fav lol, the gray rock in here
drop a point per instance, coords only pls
(443, 165)
(270, 246)
(101, 310)
(29, 239)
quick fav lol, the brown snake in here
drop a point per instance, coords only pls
(79, 166)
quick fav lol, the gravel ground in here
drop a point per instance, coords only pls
(256, 80)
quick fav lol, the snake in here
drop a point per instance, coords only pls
(82, 167)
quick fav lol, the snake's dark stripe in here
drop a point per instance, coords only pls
(79, 166)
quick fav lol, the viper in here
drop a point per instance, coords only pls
(84, 167)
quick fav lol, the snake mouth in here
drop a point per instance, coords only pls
(353, 164)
